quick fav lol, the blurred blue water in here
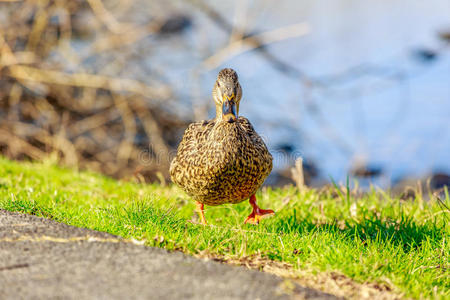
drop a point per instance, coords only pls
(384, 101)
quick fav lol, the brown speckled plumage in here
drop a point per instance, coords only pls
(221, 160)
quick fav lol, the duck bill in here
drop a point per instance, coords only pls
(229, 109)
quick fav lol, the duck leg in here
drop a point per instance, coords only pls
(201, 213)
(257, 213)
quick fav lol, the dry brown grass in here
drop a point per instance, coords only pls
(93, 117)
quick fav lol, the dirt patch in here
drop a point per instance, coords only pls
(330, 282)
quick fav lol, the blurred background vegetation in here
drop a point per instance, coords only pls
(355, 89)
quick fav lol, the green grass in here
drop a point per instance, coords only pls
(374, 238)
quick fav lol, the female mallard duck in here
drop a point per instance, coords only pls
(223, 160)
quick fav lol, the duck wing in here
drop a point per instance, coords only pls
(189, 150)
(253, 135)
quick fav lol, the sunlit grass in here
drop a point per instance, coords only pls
(373, 238)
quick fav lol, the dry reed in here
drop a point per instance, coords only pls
(54, 104)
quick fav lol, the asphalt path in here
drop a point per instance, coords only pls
(43, 259)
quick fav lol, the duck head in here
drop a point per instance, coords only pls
(227, 94)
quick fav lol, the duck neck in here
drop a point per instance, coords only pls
(219, 115)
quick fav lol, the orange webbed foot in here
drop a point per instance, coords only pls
(257, 213)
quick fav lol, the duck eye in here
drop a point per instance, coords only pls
(218, 84)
